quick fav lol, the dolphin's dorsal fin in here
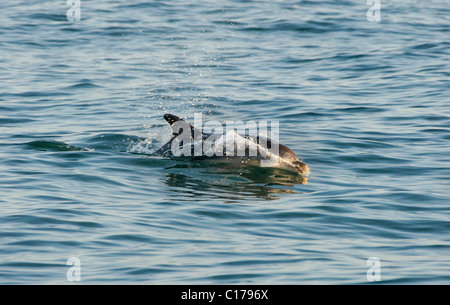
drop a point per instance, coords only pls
(172, 119)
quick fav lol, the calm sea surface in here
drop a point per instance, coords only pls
(365, 104)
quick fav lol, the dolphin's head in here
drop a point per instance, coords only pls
(289, 161)
(301, 167)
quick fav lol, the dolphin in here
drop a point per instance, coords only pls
(285, 158)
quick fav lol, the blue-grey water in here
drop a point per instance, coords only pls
(365, 104)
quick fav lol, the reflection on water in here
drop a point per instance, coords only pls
(202, 181)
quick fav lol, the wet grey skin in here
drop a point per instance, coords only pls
(287, 160)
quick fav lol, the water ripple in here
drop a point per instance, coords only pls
(364, 104)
